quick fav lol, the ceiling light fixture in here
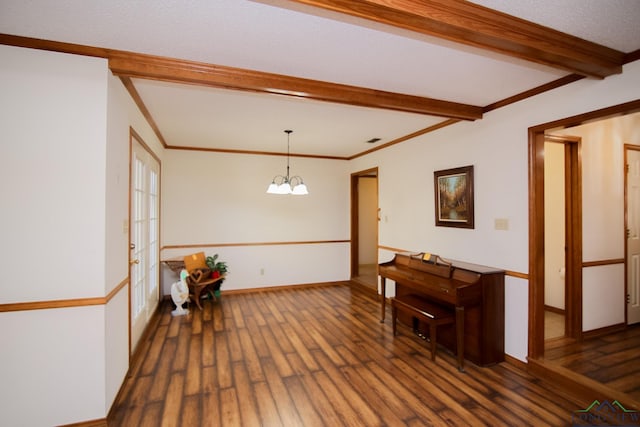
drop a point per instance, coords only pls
(282, 184)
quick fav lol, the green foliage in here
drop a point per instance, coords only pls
(215, 265)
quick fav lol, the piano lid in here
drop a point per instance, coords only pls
(406, 258)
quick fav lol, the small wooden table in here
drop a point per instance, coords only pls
(196, 289)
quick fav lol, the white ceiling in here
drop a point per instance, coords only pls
(278, 36)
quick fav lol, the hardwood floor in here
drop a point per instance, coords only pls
(317, 356)
(367, 276)
(553, 325)
(611, 359)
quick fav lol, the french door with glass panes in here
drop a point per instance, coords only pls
(144, 264)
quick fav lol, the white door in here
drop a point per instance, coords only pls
(144, 229)
(633, 236)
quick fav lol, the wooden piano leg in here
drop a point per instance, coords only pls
(432, 337)
(460, 336)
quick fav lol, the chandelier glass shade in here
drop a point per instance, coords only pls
(285, 184)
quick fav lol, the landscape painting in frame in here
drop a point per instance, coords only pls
(454, 197)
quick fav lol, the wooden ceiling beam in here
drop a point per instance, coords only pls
(180, 71)
(128, 64)
(474, 25)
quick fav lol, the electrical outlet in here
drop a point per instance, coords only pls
(262, 271)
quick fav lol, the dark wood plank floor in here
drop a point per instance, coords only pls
(612, 359)
(317, 357)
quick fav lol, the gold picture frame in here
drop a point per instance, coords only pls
(454, 197)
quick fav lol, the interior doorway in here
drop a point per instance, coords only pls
(562, 237)
(364, 228)
(537, 136)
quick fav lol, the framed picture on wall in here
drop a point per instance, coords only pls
(454, 197)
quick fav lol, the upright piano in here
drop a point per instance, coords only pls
(474, 292)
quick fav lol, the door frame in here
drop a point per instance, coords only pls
(536, 214)
(355, 217)
(134, 137)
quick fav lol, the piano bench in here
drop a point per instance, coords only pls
(426, 311)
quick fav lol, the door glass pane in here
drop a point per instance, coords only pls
(137, 270)
(152, 254)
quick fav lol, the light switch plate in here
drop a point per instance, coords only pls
(501, 224)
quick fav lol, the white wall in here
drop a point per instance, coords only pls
(64, 159)
(516, 296)
(497, 147)
(52, 366)
(220, 198)
(602, 191)
(602, 296)
(53, 113)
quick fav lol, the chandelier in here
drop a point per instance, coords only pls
(286, 184)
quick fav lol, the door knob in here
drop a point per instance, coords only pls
(134, 261)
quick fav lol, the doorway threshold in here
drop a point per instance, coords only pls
(579, 385)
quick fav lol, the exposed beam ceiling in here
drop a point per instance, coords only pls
(475, 25)
(347, 72)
